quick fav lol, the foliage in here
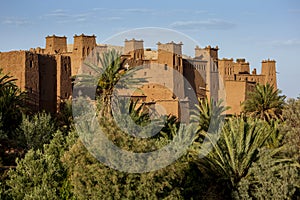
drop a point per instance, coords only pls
(291, 127)
(265, 103)
(38, 130)
(105, 74)
(11, 104)
(271, 177)
(236, 150)
(64, 118)
(11, 107)
(254, 158)
(91, 179)
(41, 174)
(291, 130)
(138, 113)
(208, 117)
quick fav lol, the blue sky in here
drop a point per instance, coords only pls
(254, 30)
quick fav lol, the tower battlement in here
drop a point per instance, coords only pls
(171, 47)
(135, 48)
(56, 44)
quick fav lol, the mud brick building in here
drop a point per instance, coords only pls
(46, 73)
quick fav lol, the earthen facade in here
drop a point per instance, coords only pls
(46, 73)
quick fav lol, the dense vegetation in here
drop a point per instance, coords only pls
(256, 156)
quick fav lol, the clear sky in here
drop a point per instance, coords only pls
(255, 30)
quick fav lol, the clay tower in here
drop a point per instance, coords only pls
(56, 44)
(210, 55)
(134, 48)
(170, 54)
(83, 46)
(268, 68)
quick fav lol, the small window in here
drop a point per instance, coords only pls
(166, 67)
(145, 73)
(31, 64)
(65, 67)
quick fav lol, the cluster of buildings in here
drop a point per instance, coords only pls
(46, 73)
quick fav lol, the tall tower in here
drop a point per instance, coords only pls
(56, 44)
(210, 55)
(268, 68)
(83, 46)
(170, 57)
(170, 54)
(135, 48)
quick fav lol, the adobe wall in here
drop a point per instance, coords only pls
(64, 81)
(268, 68)
(13, 63)
(47, 81)
(135, 48)
(170, 54)
(82, 47)
(195, 73)
(55, 44)
(171, 47)
(251, 77)
(226, 69)
(23, 66)
(210, 55)
(236, 94)
(32, 80)
(163, 98)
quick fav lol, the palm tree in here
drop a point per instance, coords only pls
(236, 150)
(264, 102)
(11, 102)
(106, 75)
(6, 81)
(207, 117)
